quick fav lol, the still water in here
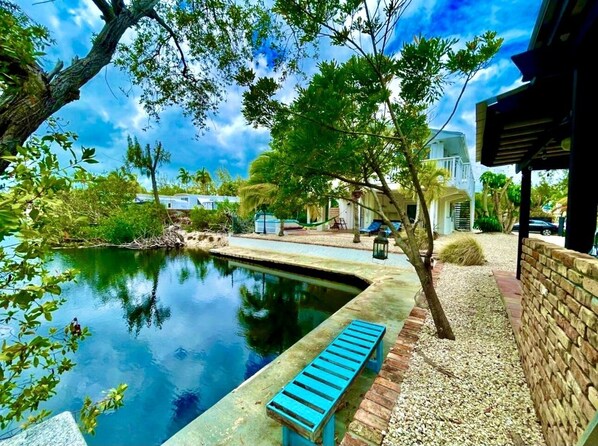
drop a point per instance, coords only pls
(181, 329)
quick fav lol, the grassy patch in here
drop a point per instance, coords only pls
(465, 251)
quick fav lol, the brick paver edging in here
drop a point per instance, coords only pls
(371, 420)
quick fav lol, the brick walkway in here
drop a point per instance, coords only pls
(373, 415)
(510, 290)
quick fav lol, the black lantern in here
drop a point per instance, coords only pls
(380, 250)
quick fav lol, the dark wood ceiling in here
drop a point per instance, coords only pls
(530, 126)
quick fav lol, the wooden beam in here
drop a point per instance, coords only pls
(521, 124)
(526, 193)
(525, 131)
(516, 139)
(582, 201)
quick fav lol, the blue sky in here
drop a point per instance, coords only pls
(105, 115)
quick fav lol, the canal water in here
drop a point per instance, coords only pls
(181, 329)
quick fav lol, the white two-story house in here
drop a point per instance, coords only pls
(454, 210)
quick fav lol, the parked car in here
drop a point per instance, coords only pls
(543, 227)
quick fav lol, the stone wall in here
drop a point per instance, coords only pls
(559, 337)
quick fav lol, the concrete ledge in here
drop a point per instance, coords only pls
(295, 247)
(240, 417)
(60, 430)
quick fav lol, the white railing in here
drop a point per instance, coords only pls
(461, 175)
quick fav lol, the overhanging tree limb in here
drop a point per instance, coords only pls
(105, 9)
(154, 15)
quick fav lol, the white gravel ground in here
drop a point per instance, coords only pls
(488, 401)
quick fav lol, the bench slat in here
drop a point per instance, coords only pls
(350, 353)
(353, 340)
(365, 331)
(373, 327)
(308, 397)
(360, 335)
(327, 377)
(354, 348)
(351, 365)
(333, 368)
(318, 386)
(347, 355)
(299, 411)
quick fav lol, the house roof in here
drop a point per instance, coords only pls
(530, 125)
(454, 143)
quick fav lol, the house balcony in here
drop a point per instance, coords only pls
(461, 176)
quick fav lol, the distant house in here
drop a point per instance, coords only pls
(454, 210)
(187, 201)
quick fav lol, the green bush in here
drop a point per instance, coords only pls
(224, 218)
(465, 251)
(421, 236)
(203, 219)
(487, 224)
(242, 225)
(137, 221)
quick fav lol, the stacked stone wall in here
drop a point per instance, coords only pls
(558, 338)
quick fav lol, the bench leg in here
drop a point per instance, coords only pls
(292, 438)
(328, 433)
(376, 364)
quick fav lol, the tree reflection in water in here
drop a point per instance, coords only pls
(221, 322)
(269, 314)
(132, 277)
(125, 278)
(185, 409)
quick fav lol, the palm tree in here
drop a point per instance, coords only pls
(184, 177)
(260, 190)
(204, 181)
(433, 180)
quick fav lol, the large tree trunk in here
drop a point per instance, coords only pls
(443, 327)
(21, 114)
(423, 266)
(155, 187)
(281, 228)
(356, 238)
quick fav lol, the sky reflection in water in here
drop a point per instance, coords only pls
(181, 329)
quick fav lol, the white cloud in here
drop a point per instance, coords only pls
(86, 15)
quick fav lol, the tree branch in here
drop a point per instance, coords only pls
(344, 131)
(154, 15)
(105, 9)
(118, 6)
(453, 111)
(55, 70)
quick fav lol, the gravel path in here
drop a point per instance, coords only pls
(488, 402)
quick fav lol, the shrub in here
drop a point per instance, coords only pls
(202, 219)
(487, 224)
(136, 221)
(242, 225)
(464, 251)
(422, 238)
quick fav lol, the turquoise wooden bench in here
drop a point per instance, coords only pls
(306, 405)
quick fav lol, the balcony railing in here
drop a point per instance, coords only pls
(461, 175)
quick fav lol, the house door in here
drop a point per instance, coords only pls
(411, 211)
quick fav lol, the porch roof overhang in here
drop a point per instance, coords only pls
(548, 122)
(530, 126)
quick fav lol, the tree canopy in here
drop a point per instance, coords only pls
(364, 122)
(182, 53)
